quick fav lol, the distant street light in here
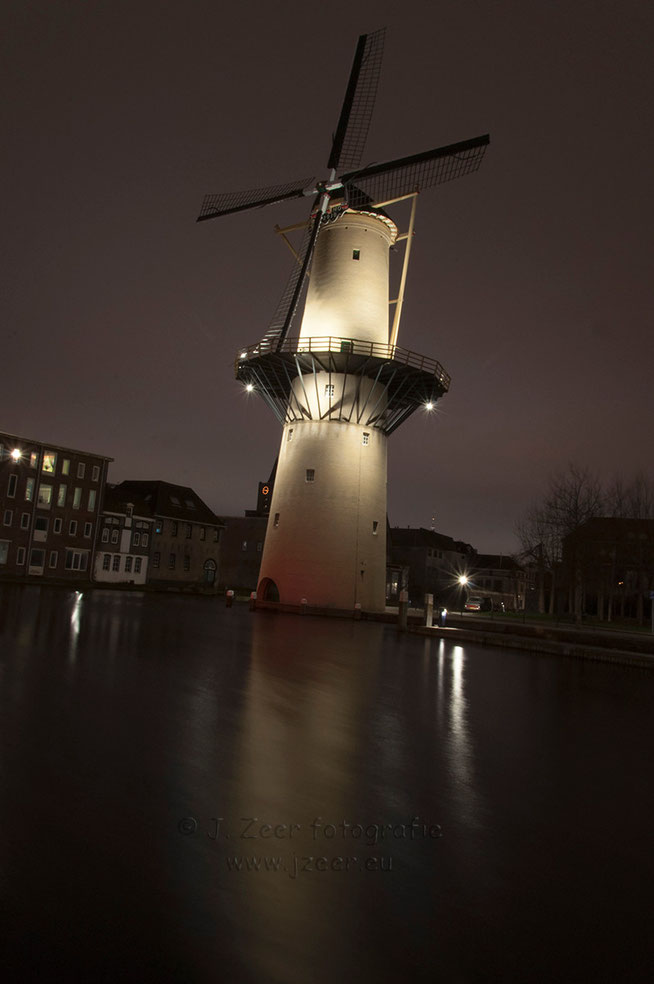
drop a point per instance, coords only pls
(463, 580)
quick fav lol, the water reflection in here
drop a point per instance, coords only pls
(120, 714)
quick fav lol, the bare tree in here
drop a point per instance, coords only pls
(631, 500)
(572, 498)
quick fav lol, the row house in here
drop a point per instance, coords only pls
(125, 534)
(434, 563)
(50, 502)
(501, 579)
(164, 530)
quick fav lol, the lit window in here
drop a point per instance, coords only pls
(34, 459)
(114, 536)
(276, 522)
(49, 462)
(11, 488)
(72, 528)
(29, 490)
(136, 539)
(156, 558)
(8, 517)
(95, 473)
(366, 438)
(81, 468)
(329, 389)
(61, 495)
(187, 563)
(25, 521)
(77, 497)
(92, 495)
(356, 254)
(87, 529)
(105, 535)
(115, 564)
(311, 475)
(65, 466)
(45, 496)
(137, 565)
(106, 562)
(128, 565)
(54, 556)
(20, 556)
(56, 528)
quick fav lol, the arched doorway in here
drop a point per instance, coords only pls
(210, 568)
(267, 590)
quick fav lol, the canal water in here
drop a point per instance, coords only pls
(194, 793)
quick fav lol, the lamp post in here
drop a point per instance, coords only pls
(463, 580)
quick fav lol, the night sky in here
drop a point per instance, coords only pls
(530, 281)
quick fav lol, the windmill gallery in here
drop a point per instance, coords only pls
(342, 385)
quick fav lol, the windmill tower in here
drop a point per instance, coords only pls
(342, 385)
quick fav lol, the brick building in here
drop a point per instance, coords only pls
(124, 538)
(185, 538)
(50, 501)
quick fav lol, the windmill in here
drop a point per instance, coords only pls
(343, 384)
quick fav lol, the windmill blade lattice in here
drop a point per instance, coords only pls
(283, 317)
(356, 113)
(214, 206)
(392, 179)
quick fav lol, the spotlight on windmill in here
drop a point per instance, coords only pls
(341, 385)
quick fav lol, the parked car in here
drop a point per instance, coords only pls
(476, 603)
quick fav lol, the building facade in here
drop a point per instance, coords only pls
(500, 579)
(50, 502)
(184, 542)
(124, 538)
(435, 563)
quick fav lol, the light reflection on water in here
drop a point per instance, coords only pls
(123, 713)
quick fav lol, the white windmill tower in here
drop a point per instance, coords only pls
(342, 385)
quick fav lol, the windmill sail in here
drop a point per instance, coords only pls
(214, 206)
(283, 317)
(359, 102)
(383, 182)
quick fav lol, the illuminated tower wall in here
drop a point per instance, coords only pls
(326, 537)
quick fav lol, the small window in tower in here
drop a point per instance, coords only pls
(276, 519)
(356, 254)
(366, 438)
(329, 389)
(375, 525)
(290, 434)
(311, 474)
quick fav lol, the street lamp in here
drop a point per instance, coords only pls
(463, 580)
